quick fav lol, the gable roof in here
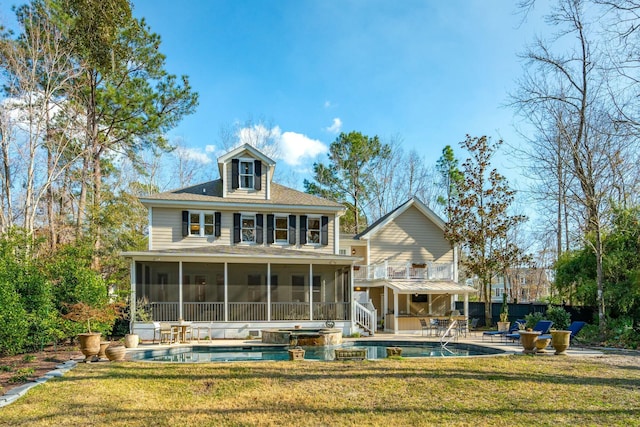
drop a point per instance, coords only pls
(384, 220)
(251, 149)
(211, 194)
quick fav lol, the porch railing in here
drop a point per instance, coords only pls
(404, 271)
(249, 311)
(289, 311)
(203, 311)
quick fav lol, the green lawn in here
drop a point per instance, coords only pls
(513, 390)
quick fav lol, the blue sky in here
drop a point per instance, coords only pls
(427, 71)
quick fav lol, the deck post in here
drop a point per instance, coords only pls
(180, 308)
(268, 292)
(226, 292)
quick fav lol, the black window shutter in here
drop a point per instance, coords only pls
(324, 230)
(185, 223)
(217, 221)
(303, 229)
(259, 228)
(236, 228)
(257, 184)
(270, 228)
(292, 229)
(235, 174)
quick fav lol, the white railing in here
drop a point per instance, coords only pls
(404, 271)
(203, 311)
(247, 311)
(330, 311)
(289, 311)
(366, 316)
(164, 311)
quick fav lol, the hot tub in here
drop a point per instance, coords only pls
(303, 337)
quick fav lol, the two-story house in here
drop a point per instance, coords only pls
(409, 270)
(243, 253)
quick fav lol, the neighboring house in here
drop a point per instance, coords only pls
(524, 285)
(409, 270)
(242, 253)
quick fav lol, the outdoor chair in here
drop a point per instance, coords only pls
(168, 333)
(575, 328)
(473, 327)
(514, 327)
(543, 326)
(425, 326)
(156, 331)
(462, 327)
(197, 328)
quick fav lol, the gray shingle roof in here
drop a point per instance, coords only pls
(212, 192)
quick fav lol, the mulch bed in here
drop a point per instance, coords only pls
(14, 368)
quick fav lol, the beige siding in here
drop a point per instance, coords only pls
(166, 232)
(243, 193)
(411, 237)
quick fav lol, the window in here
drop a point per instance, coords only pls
(313, 230)
(343, 251)
(281, 229)
(246, 174)
(201, 223)
(248, 228)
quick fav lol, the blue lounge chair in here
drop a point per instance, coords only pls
(575, 327)
(543, 326)
(501, 334)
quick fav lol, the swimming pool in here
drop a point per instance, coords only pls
(375, 350)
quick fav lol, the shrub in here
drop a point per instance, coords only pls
(28, 358)
(22, 375)
(532, 318)
(559, 316)
(13, 323)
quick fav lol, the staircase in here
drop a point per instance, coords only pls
(365, 316)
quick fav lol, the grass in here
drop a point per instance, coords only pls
(513, 390)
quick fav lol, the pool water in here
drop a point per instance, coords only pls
(375, 350)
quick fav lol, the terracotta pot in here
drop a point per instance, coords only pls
(115, 353)
(103, 347)
(131, 340)
(89, 344)
(296, 354)
(561, 341)
(528, 341)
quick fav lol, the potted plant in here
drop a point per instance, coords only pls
(504, 324)
(142, 314)
(84, 313)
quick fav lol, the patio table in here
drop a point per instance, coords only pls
(181, 327)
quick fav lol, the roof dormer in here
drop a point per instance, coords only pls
(246, 172)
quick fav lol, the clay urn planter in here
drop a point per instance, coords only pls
(528, 341)
(560, 341)
(89, 344)
(503, 326)
(103, 347)
(541, 344)
(116, 352)
(131, 340)
(296, 354)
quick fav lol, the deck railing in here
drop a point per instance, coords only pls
(404, 271)
(248, 311)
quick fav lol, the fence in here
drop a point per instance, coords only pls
(518, 311)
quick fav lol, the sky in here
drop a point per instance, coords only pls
(426, 72)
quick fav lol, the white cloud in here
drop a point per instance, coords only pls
(291, 147)
(210, 149)
(336, 126)
(296, 147)
(193, 155)
(327, 104)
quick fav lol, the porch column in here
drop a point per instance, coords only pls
(310, 291)
(133, 299)
(395, 312)
(226, 292)
(466, 309)
(180, 313)
(385, 304)
(269, 292)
